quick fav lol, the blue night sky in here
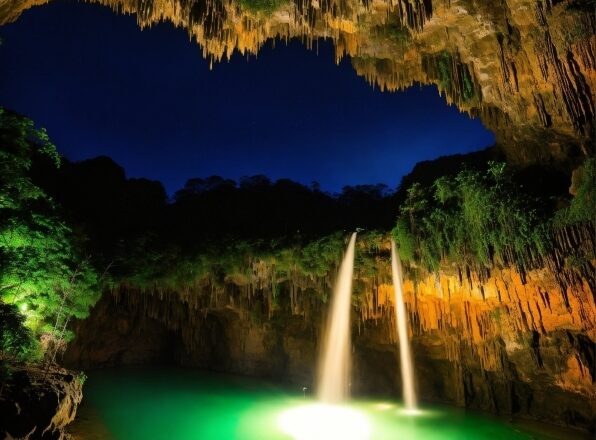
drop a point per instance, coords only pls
(101, 86)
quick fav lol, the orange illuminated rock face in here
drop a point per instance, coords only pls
(496, 318)
(502, 306)
(526, 67)
(508, 343)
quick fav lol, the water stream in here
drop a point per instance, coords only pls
(334, 368)
(405, 353)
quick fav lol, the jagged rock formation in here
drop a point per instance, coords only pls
(35, 404)
(508, 342)
(527, 68)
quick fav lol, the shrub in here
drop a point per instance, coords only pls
(474, 218)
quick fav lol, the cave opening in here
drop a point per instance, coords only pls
(179, 181)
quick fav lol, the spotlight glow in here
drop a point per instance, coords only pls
(324, 422)
(412, 412)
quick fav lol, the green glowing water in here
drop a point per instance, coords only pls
(174, 404)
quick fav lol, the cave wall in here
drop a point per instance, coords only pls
(507, 343)
(527, 68)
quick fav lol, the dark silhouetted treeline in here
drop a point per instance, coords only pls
(117, 213)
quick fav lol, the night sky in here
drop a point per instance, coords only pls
(101, 86)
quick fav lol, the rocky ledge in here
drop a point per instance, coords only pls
(36, 405)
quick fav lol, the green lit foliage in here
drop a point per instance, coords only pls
(17, 135)
(444, 65)
(266, 6)
(41, 271)
(318, 257)
(468, 86)
(394, 31)
(236, 262)
(582, 206)
(474, 219)
(369, 248)
(82, 378)
(372, 254)
(450, 72)
(15, 339)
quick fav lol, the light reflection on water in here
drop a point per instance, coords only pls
(177, 404)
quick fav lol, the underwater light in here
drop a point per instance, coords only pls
(324, 422)
(384, 406)
(411, 412)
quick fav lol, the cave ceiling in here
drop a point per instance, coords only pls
(527, 68)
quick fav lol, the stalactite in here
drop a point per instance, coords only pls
(570, 82)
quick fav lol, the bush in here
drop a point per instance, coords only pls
(15, 339)
(474, 218)
(266, 6)
(582, 206)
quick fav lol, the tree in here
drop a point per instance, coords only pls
(41, 269)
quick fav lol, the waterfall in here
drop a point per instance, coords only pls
(405, 354)
(334, 368)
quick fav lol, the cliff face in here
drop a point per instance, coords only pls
(511, 346)
(506, 343)
(527, 68)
